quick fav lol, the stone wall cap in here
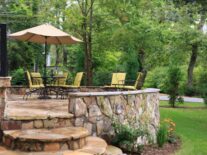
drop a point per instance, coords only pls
(114, 93)
(5, 77)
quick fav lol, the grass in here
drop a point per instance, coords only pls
(191, 126)
(186, 104)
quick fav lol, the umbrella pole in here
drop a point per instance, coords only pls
(45, 64)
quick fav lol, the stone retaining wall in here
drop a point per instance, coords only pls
(96, 110)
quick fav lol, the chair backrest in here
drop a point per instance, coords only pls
(28, 78)
(78, 79)
(62, 80)
(118, 78)
(36, 78)
(138, 80)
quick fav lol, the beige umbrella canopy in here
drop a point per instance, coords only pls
(45, 34)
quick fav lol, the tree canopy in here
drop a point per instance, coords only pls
(118, 35)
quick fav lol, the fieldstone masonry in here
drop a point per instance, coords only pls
(4, 84)
(96, 110)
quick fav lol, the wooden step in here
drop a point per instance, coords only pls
(71, 138)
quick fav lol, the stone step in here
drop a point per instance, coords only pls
(112, 150)
(48, 123)
(76, 153)
(71, 138)
(37, 114)
(94, 146)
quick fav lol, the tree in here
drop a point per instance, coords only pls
(19, 15)
(86, 7)
(197, 12)
(137, 33)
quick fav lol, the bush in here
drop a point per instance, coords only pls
(156, 79)
(18, 77)
(174, 77)
(198, 81)
(170, 126)
(190, 91)
(202, 85)
(162, 135)
(126, 137)
(166, 132)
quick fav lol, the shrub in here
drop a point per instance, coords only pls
(174, 77)
(126, 137)
(162, 135)
(18, 77)
(166, 132)
(190, 91)
(202, 85)
(156, 78)
(170, 125)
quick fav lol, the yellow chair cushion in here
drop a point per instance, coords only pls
(36, 78)
(61, 81)
(78, 79)
(118, 78)
(126, 87)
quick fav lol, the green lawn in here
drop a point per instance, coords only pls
(191, 126)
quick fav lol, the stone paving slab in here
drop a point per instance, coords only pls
(94, 145)
(76, 153)
(47, 135)
(36, 109)
(112, 150)
(7, 152)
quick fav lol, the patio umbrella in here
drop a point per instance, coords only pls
(45, 34)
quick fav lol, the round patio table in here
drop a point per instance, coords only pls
(48, 86)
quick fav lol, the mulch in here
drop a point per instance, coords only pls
(167, 149)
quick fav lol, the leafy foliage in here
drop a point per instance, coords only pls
(174, 77)
(162, 135)
(203, 86)
(18, 77)
(126, 137)
(127, 36)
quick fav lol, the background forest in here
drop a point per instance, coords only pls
(119, 36)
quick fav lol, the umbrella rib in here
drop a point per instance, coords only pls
(58, 40)
(30, 37)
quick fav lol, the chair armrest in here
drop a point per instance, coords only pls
(130, 82)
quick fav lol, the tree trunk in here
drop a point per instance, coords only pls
(57, 61)
(192, 65)
(87, 12)
(85, 49)
(194, 54)
(141, 59)
(65, 57)
(90, 71)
